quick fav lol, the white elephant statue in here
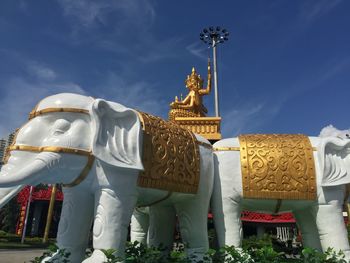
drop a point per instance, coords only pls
(139, 225)
(143, 232)
(95, 149)
(7, 193)
(246, 172)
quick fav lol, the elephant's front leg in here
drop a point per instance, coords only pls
(193, 217)
(228, 222)
(162, 226)
(331, 228)
(74, 226)
(226, 208)
(306, 221)
(112, 218)
(115, 200)
(139, 225)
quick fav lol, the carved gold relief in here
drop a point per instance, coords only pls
(208, 127)
(170, 156)
(277, 166)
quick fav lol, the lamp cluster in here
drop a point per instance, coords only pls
(214, 35)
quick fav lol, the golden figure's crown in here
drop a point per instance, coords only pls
(194, 79)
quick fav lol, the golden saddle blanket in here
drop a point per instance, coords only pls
(170, 156)
(277, 166)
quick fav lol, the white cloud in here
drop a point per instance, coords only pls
(20, 92)
(139, 95)
(163, 50)
(87, 13)
(198, 49)
(122, 26)
(319, 76)
(247, 118)
(40, 71)
(312, 10)
(90, 13)
(20, 95)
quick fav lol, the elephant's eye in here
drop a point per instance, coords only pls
(60, 126)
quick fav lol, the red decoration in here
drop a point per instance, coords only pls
(248, 216)
(41, 194)
(22, 199)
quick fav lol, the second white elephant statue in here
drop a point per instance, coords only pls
(320, 220)
(95, 148)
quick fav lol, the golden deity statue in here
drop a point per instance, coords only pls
(192, 105)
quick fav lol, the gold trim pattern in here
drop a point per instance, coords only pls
(57, 149)
(208, 127)
(219, 149)
(170, 156)
(49, 149)
(277, 166)
(35, 112)
(32, 115)
(84, 173)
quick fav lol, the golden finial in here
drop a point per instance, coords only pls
(194, 80)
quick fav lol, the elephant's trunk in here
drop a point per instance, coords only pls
(6, 194)
(29, 174)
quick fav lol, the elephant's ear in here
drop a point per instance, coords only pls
(334, 156)
(116, 135)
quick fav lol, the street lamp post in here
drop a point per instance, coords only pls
(213, 36)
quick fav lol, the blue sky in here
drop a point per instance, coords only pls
(285, 68)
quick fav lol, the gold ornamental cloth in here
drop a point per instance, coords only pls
(277, 166)
(170, 156)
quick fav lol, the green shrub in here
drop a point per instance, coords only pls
(310, 255)
(255, 242)
(139, 253)
(52, 249)
(3, 233)
(9, 214)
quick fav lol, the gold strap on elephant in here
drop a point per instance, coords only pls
(57, 149)
(220, 149)
(237, 149)
(35, 112)
(83, 173)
